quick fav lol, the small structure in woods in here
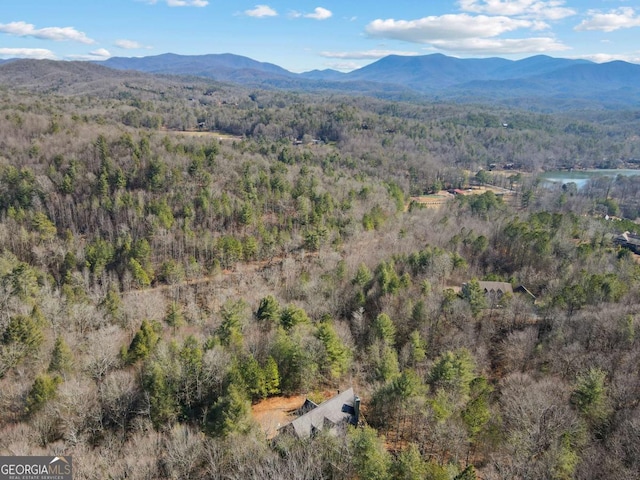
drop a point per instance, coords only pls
(629, 241)
(496, 289)
(334, 414)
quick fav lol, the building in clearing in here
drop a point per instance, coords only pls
(629, 241)
(496, 289)
(334, 414)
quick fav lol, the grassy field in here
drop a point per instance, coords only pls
(204, 133)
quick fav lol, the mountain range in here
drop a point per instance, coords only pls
(539, 82)
(612, 84)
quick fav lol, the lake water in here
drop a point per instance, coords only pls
(581, 177)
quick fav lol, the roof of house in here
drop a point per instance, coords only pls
(336, 410)
(525, 290)
(627, 238)
(306, 407)
(496, 287)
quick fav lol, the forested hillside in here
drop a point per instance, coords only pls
(173, 251)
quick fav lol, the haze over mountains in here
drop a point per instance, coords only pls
(612, 84)
(535, 82)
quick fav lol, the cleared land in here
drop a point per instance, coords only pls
(272, 413)
(443, 196)
(203, 133)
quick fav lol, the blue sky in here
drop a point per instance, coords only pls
(302, 35)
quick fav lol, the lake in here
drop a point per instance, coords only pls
(581, 177)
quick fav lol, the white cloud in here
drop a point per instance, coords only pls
(319, 14)
(260, 11)
(608, 57)
(368, 54)
(501, 46)
(23, 29)
(187, 3)
(468, 34)
(542, 9)
(38, 53)
(101, 52)
(624, 17)
(448, 27)
(344, 66)
(95, 55)
(128, 44)
(181, 3)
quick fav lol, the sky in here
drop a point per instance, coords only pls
(302, 35)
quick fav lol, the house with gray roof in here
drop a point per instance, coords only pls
(496, 289)
(335, 413)
(628, 240)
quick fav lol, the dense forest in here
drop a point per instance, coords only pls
(174, 251)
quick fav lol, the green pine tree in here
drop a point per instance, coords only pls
(476, 414)
(233, 318)
(44, 388)
(292, 315)
(162, 396)
(61, 357)
(472, 292)
(271, 377)
(384, 329)
(253, 377)
(337, 355)
(409, 465)
(23, 331)
(174, 317)
(269, 310)
(590, 394)
(143, 342)
(369, 457)
(453, 372)
(468, 473)
(231, 413)
(112, 302)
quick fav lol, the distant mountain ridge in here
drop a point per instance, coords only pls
(534, 82)
(417, 72)
(174, 63)
(220, 67)
(612, 84)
